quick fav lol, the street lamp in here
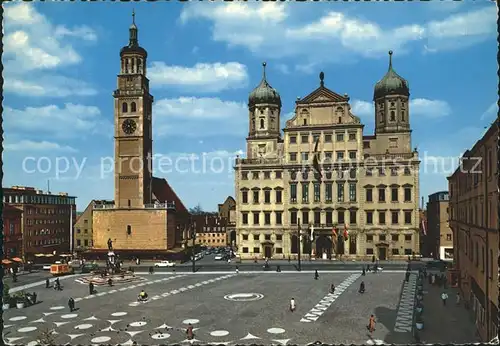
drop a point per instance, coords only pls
(193, 237)
(299, 240)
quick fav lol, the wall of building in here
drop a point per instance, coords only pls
(473, 210)
(148, 229)
(13, 237)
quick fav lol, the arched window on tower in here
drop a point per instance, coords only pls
(133, 107)
(253, 124)
(393, 116)
(305, 121)
(261, 123)
(124, 107)
(126, 66)
(139, 65)
(403, 116)
(133, 65)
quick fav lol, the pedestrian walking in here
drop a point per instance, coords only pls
(71, 304)
(407, 276)
(371, 324)
(316, 275)
(362, 287)
(190, 332)
(364, 272)
(151, 270)
(444, 296)
(47, 283)
(237, 270)
(292, 305)
(91, 288)
(458, 298)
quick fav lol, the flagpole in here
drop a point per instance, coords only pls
(299, 241)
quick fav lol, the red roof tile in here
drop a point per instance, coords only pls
(164, 193)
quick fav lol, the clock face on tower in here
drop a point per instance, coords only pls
(129, 126)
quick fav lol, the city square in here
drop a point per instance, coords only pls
(305, 183)
(224, 308)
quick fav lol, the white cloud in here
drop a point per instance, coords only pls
(31, 146)
(201, 77)
(198, 117)
(420, 107)
(429, 108)
(71, 121)
(53, 86)
(282, 34)
(491, 112)
(32, 43)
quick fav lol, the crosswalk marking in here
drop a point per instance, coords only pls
(320, 308)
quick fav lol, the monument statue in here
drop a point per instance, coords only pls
(110, 244)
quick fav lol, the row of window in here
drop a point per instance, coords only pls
(395, 197)
(37, 199)
(352, 192)
(342, 217)
(340, 174)
(212, 241)
(45, 221)
(211, 234)
(472, 252)
(328, 138)
(133, 107)
(369, 251)
(53, 241)
(474, 215)
(86, 242)
(471, 179)
(383, 237)
(245, 237)
(45, 231)
(85, 231)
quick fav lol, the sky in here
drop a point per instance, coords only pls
(61, 61)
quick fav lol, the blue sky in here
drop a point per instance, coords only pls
(61, 62)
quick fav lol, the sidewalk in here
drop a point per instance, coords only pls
(450, 324)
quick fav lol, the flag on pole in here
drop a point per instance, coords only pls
(316, 166)
(312, 233)
(334, 231)
(346, 233)
(424, 227)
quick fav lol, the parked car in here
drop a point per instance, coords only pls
(46, 267)
(219, 257)
(89, 267)
(164, 264)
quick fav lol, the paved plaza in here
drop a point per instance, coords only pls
(224, 308)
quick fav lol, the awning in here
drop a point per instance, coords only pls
(17, 259)
(6, 261)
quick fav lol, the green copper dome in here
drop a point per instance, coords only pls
(264, 93)
(391, 84)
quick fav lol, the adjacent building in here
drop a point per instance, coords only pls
(227, 211)
(473, 205)
(145, 217)
(363, 198)
(12, 231)
(211, 231)
(47, 220)
(83, 226)
(439, 239)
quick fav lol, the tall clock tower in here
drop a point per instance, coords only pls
(133, 127)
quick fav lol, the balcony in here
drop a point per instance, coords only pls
(392, 157)
(260, 161)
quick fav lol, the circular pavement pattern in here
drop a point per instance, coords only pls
(244, 297)
(160, 336)
(57, 308)
(17, 318)
(100, 339)
(219, 333)
(138, 324)
(117, 314)
(32, 343)
(191, 321)
(69, 316)
(276, 330)
(375, 342)
(26, 329)
(84, 326)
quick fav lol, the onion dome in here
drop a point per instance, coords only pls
(391, 84)
(264, 93)
(133, 43)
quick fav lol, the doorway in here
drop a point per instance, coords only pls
(323, 245)
(268, 252)
(382, 253)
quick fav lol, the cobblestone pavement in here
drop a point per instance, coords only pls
(446, 324)
(226, 308)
